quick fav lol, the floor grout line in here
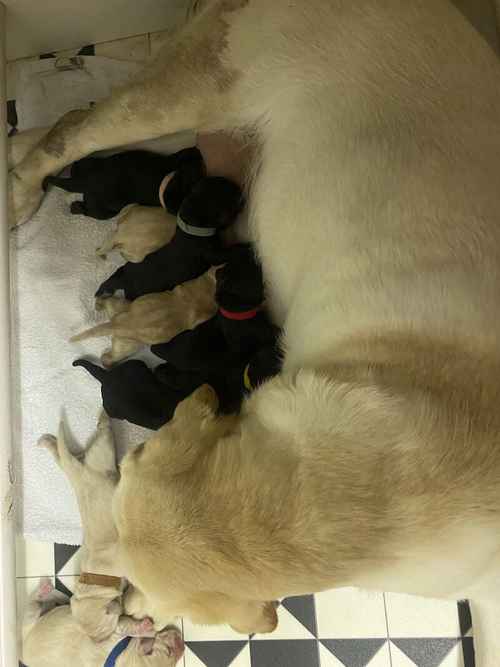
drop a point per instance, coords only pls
(387, 629)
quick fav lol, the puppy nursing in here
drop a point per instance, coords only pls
(141, 230)
(372, 460)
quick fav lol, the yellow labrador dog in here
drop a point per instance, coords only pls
(84, 631)
(374, 460)
(152, 318)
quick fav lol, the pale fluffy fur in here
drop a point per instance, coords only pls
(153, 318)
(375, 207)
(53, 638)
(97, 609)
(140, 231)
(82, 631)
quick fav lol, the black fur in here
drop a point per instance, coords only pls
(213, 202)
(133, 392)
(133, 177)
(218, 350)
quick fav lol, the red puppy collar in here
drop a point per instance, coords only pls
(245, 315)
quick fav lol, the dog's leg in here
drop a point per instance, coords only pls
(70, 465)
(197, 84)
(243, 616)
(112, 305)
(486, 623)
(101, 454)
(121, 348)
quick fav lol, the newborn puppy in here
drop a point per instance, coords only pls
(213, 204)
(219, 349)
(140, 231)
(133, 177)
(152, 318)
(131, 391)
(53, 638)
(96, 603)
(231, 383)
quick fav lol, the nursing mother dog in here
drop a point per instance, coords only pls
(374, 459)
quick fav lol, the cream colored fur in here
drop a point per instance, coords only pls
(140, 231)
(53, 638)
(153, 318)
(93, 477)
(375, 208)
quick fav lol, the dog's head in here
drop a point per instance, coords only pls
(163, 650)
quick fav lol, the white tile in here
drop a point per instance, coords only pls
(69, 582)
(382, 658)
(243, 659)
(206, 633)
(327, 659)
(399, 659)
(132, 48)
(192, 660)
(288, 628)
(34, 559)
(348, 612)
(410, 616)
(158, 39)
(455, 658)
(72, 567)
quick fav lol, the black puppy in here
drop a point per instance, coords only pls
(231, 384)
(132, 391)
(239, 335)
(212, 205)
(133, 177)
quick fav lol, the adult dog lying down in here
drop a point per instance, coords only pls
(375, 208)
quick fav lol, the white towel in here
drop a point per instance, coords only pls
(55, 273)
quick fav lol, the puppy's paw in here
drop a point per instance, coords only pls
(47, 441)
(107, 360)
(24, 200)
(45, 589)
(77, 208)
(172, 638)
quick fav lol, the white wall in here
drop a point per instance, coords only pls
(40, 26)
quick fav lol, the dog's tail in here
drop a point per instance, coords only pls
(99, 331)
(94, 370)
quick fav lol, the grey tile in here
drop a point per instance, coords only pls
(62, 554)
(284, 653)
(426, 652)
(304, 610)
(217, 654)
(354, 652)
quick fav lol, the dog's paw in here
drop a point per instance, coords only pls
(24, 200)
(172, 639)
(44, 590)
(47, 441)
(107, 359)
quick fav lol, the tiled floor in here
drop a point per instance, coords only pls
(340, 628)
(343, 628)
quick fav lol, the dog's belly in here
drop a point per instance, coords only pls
(340, 262)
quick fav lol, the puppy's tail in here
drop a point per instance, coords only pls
(94, 370)
(99, 331)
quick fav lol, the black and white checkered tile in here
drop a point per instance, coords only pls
(342, 628)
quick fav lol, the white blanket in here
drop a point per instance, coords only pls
(55, 273)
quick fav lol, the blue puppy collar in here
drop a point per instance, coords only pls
(117, 651)
(203, 232)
